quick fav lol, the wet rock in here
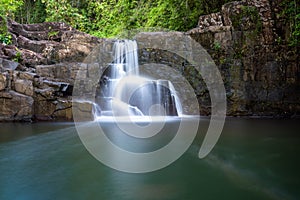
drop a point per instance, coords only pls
(44, 106)
(63, 110)
(15, 106)
(83, 111)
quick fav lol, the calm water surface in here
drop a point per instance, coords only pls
(254, 159)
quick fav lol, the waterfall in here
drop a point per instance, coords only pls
(126, 57)
(124, 92)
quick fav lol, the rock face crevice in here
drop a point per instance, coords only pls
(247, 40)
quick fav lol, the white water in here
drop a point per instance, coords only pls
(126, 57)
(126, 93)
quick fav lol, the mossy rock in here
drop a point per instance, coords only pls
(246, 19)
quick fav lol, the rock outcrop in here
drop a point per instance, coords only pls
(15, 106)
(38, 69)
(248, 42)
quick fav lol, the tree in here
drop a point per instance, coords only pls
(32, 11)
(8, 7)
(108, 18)
(64, 11)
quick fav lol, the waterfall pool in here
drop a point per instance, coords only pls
(253, 159)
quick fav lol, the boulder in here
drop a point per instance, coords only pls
(8, 64)
(24, 86)
(83, 111)
(15, 107)
(63, 71)
(37, 46)
(44, 106)
(63, 110)
(76, 46)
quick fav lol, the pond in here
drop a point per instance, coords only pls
(253, 159)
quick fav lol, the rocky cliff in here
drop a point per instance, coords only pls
(261, 73)
(38, 69)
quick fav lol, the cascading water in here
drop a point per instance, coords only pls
(124, 92)
(126, 57)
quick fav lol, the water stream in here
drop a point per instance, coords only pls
(124, 92)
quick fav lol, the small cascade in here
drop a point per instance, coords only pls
(123, 92)
(125, 58)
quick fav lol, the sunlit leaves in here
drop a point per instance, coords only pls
(7, 7)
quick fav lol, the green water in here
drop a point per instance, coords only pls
(254, 159)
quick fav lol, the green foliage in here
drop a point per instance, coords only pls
(216, 46)
(32, 11)
(63, 11)
(111, 17)
(52, 34)
(253, 15)
(212, 6)
(8, 7)
(18, 56)
(292, 12)
(108, 18)
(173, 15)
(5, 39)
